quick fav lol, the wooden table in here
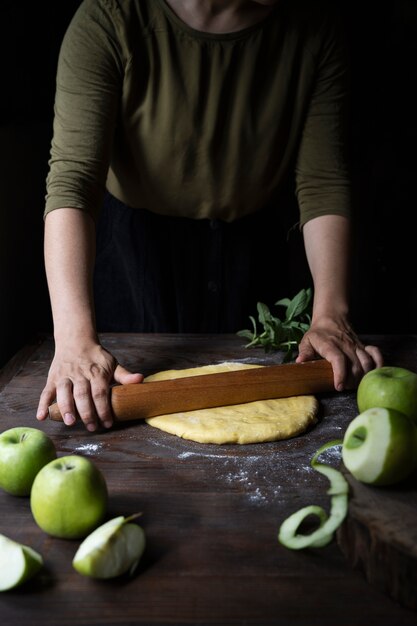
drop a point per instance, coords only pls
(211, 513)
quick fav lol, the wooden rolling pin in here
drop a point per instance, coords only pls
(143, 400)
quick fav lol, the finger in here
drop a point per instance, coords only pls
(84, 404)
(376, 355)
(354, 369)
(306, 352)
(306, 355)
(334, 356)
(101, 397)
(65, 402)
(124, 377)
(345, 363)
(339, 365)
(327, 351)
(47, 397)
(365, 359)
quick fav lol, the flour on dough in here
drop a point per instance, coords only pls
(252, 422)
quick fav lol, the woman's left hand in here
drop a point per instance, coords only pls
(336, 341)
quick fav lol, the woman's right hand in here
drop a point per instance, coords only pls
(79, 380)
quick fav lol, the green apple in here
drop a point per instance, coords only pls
(111, 550)
(18, 563)
(390, 388)
(69, 497)
(380, 446)
(23, 452)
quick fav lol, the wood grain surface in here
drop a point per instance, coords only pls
(380, 537)
(211, 513)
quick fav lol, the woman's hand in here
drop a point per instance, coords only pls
(80, 382)
(335, 341)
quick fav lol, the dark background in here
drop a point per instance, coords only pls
(383, 130)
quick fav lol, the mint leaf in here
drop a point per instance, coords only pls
(281, 334)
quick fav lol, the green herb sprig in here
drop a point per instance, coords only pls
(281, 334)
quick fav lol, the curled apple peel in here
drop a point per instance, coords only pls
(339, 489)
(111, 550)
(18, 563)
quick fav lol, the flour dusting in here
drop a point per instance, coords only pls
(255, 476)
(186, 455)
(88, 448)
(259, 473)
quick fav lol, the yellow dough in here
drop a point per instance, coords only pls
(252, 422)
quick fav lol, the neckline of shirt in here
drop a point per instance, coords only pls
(201, 34)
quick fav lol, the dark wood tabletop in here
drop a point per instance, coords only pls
(211, 513)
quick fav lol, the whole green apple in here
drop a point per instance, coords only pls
(18, 563)
(390, 388)
(69, 497)
(380, 446)
(23, 452)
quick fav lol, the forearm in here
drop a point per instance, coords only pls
(82, 370)
(327, 243)
(69, 259)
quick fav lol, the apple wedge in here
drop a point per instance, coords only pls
(380, 446)
(111, 549)
(18, 563)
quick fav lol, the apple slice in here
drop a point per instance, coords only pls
(18, 563)
(380, 446)
(111, 549)
(338, 491)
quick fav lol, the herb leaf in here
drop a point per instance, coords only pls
(281, 334)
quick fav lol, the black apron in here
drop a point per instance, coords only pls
(171, 274)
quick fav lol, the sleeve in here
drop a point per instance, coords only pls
(88, 89)
(322, 172)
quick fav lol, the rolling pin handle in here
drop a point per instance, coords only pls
(54, 413)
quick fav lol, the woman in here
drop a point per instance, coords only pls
(178, 128)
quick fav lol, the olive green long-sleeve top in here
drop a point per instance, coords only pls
(195, 124)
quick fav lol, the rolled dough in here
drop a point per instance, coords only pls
(252, 422)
